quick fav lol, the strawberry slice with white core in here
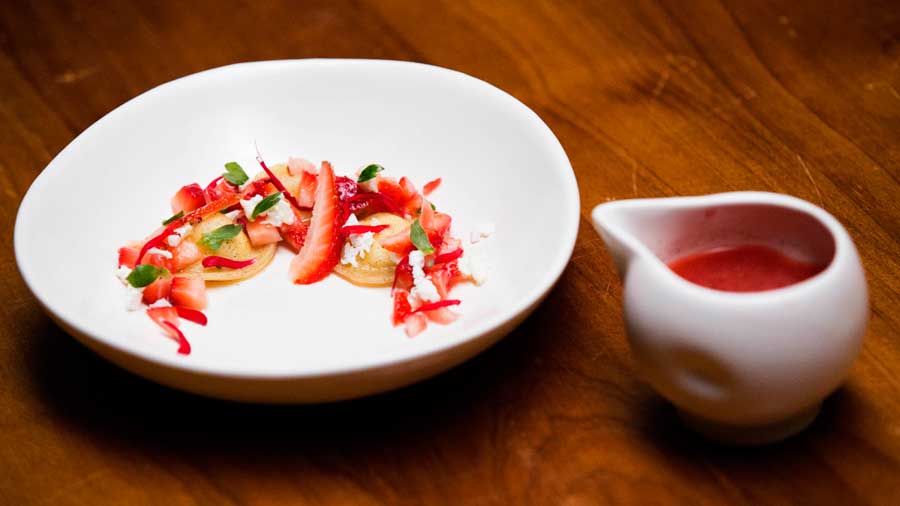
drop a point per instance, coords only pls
(319, 253)
(415, 324)
(189, 292)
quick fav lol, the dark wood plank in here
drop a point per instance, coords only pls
(649, 98)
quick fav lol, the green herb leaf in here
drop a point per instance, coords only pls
(420, 239)
(173, 217)
(213, 240)
(369, 172)
(143, 275)
(235, 174)
(433, 207)
(265, 204)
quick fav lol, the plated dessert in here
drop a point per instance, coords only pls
(371, 229)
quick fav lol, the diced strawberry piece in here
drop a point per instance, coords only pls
(415, 324)
(413, 205)
(189, 292)
(218, 188)
(449, 245)
(294, 234)
(443, 315)
(403, 277)
(346, 187)
(392, 190)
(188, 198)
(296, 166)
(426, 217)
(261, 233)
(438, 228)
(401, 307)
(157, 260)
(163, 314)
(409, 189)
(399, 243)
(192, 315)
(156, 290)
(128, 256)
(441, 278)
(431, 186)
(306, 196)
(321, 249)
(186, 253)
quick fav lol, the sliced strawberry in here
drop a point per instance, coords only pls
(296, 166)
(346, 187)
(261, 233)
(156, 290)
(188, 198)
(442, 315)
(128, 256)
(186, 253)
(321, 249)
(409, 189)
(392, 190)
(161, 314)
(448, 256)
(157, 260)
(399, 243)
(426, 217)
(189, 292)
(401, 307)
(403, 277)
(413, 205)
(218, 188)
(192, 315)
(306, 195)
(415, 324)
(431, 186)
(441, 276)
(294, 234)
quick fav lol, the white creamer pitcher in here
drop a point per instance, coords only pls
(745, 368)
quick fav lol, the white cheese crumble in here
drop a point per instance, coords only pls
(357, 245)
(178, 234)
(233, 215)
(473, 262)
(280, 213)
(482, 231)
(161, 252)
(122, 273)
(250, 204)
(161, 303)
(423, 289)
(133, 298)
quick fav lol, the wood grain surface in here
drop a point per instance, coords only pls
(649, 98)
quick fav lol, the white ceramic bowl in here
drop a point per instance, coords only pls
(269, 340)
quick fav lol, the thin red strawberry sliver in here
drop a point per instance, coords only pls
(184, 347)
(437, 305)
(192, 315)
(448, 257)
(275, 181)
(362, 229)
(431, 186)
(214, 261)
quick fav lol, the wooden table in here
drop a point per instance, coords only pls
(649, 98)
